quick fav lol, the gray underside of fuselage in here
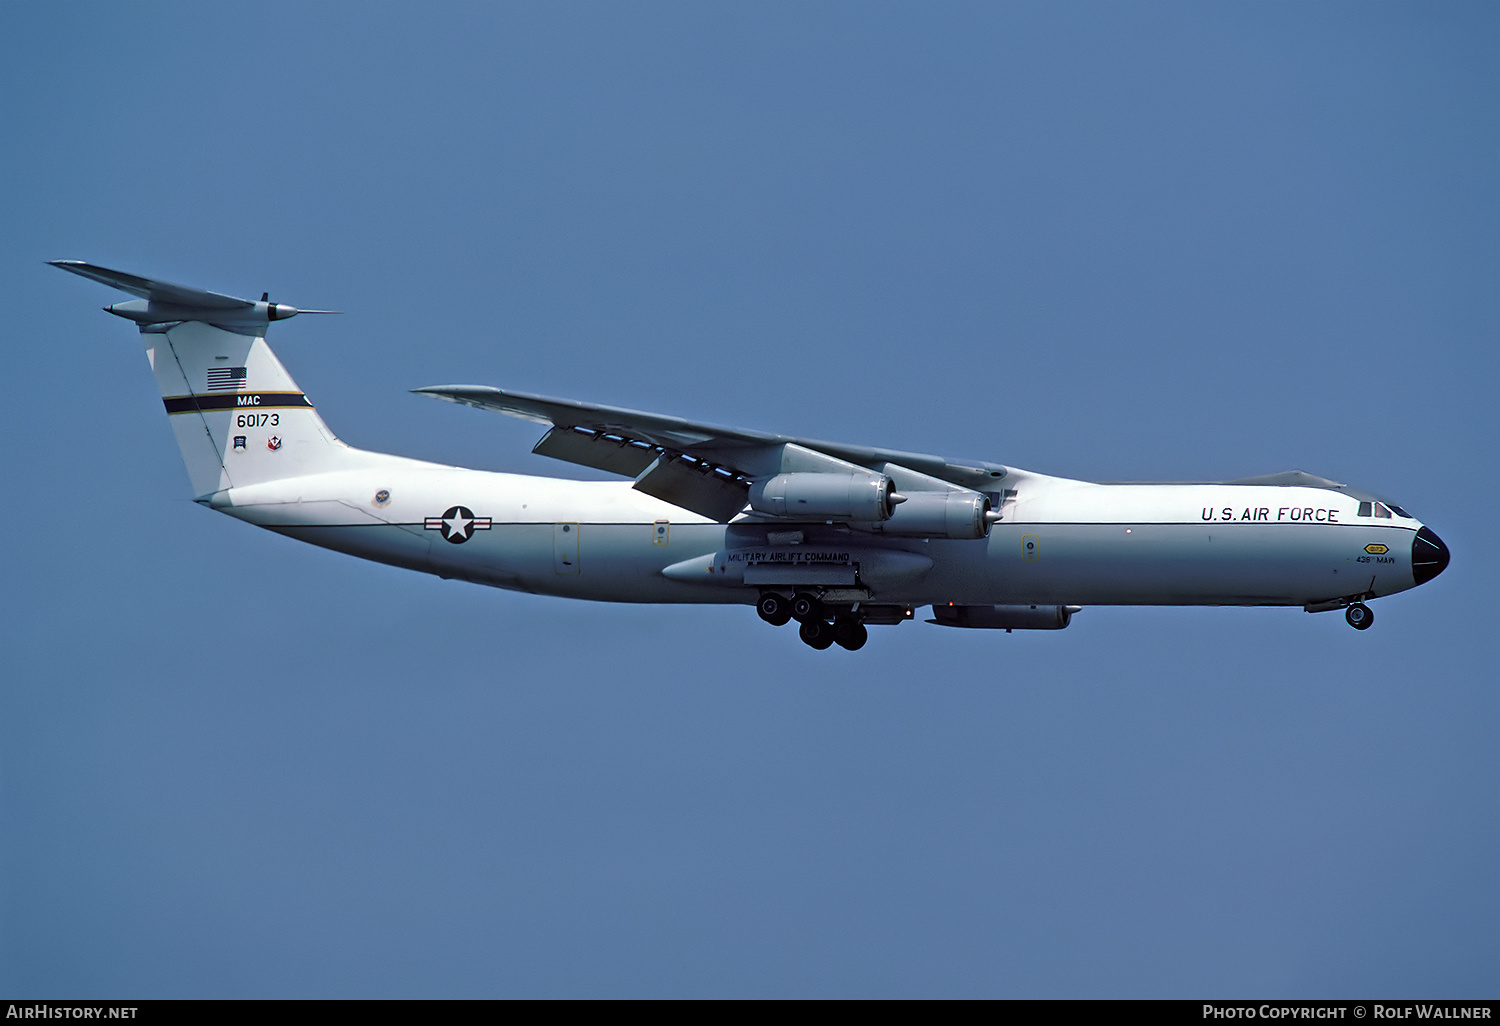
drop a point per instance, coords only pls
(1076, 564)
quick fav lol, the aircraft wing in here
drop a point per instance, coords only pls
(705, 468)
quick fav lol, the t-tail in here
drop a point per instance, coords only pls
(238, 416)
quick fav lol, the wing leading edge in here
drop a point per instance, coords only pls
(707, 468)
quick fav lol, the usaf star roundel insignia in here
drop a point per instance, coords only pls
(458, 524)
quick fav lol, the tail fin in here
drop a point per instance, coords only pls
(238, 416)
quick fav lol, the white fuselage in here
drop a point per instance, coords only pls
(1059, 541)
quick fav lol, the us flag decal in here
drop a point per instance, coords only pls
(226, 379)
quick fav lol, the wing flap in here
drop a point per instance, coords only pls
(613, 454)
(694, 485)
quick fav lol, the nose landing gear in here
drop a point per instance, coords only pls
(1359, 616)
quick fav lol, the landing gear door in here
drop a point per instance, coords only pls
(565, 549)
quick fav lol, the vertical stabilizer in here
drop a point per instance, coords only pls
(238, 416)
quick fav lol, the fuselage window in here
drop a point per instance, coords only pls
(1364, 508)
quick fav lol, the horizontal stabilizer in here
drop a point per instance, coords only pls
(163, 292)
(163, 303)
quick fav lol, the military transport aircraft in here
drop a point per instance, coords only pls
(833, 536)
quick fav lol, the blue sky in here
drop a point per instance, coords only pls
(1157, 241)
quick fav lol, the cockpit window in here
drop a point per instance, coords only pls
(1382, 511)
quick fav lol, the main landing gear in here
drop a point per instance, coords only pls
(1360, 616)
(819, 627)
(774, 609)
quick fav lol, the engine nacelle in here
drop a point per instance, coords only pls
(825, 496)
(1008, 618)
(953, 514)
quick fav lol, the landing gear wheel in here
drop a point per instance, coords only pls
(816, 633)
(806, 607)
(850, 633)
(1359, 616)
(774, 609)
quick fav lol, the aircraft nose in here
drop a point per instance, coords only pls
(1429, 556)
